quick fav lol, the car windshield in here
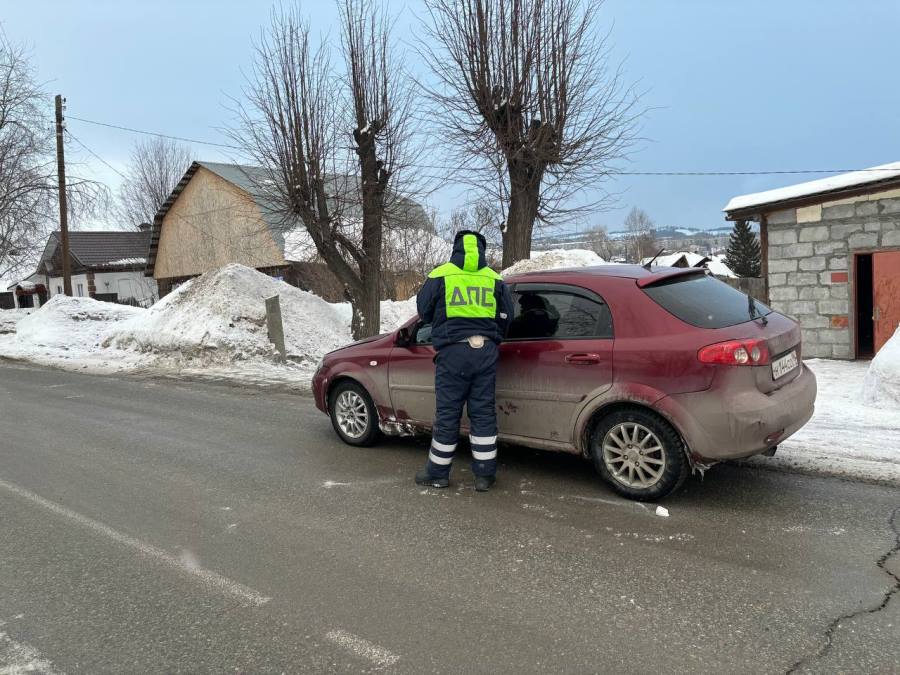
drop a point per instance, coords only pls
(705, 302)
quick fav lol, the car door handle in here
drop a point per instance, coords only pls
(582, 358)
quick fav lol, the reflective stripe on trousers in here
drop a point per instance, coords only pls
(465, 377)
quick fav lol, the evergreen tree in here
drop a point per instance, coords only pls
(742, 255)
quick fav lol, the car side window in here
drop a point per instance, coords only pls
(558, 314)
(423, 334)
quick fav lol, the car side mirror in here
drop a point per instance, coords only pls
(404, 337)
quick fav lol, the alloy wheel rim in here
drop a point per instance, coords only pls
(352, 414)
(634, 455)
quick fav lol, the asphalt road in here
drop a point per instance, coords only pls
(154, 526)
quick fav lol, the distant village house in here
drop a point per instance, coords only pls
(104, 265)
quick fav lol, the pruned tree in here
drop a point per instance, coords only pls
(331, 163)
(639, 240)
(743, 253)
(526, 96)
(154, 169)
(28, 179)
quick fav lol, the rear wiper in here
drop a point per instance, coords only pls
(754, 311)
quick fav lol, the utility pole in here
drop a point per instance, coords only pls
(63, 206)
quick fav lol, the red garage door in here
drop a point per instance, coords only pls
(886, 295)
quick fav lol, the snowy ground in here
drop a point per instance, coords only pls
(846, 436)
(9, 319)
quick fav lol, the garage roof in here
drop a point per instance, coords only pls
(809, 190)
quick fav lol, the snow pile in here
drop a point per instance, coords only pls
(395, 313)
(71, 323)
(9, 318)
(847, 436)
(556, 259)
(220, 318)
(882, 384)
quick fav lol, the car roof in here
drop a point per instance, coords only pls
(624, 271)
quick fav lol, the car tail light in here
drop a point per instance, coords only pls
(751, 352)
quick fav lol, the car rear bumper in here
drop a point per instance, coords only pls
(729, 423)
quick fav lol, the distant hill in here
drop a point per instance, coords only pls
(572, 239)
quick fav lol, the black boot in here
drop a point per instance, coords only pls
(426, 479)
(484, 483)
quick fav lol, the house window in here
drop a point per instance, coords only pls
(80, 290)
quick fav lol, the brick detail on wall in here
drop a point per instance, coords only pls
(91, 286)
(840, 321)
(839, 277)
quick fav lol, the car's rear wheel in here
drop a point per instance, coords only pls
(353, 414)
(639, 454)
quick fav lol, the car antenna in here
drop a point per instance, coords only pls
(653, 259)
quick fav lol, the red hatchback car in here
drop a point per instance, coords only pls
(647, 373)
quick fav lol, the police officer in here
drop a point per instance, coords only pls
(468, 307)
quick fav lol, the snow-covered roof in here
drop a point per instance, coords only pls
(127, 261)
(815, 187)
(672, 259)
(717, 266)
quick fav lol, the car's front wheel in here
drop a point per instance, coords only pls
(353, 414)
(639, 454)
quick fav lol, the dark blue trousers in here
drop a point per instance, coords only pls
(465, 376)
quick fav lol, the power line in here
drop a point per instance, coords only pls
(79, 141)
(153, 133)
(776, 172)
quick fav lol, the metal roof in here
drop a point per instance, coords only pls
(100, 248)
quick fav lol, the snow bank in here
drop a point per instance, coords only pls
(882, 384)
(220, 318)
(395, 313)
(556, 259)
(9, 318)
(847, 436)
(72, 323)
(213, 326)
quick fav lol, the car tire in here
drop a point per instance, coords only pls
(639, 454)
(353, 414)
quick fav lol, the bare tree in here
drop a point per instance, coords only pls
(639, 240)
(483, 216)
(600, 243)
(528, 100)
(331, 163)
(28, 183)
(154, 169)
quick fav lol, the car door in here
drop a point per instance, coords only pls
(558, 352)
(411, 377)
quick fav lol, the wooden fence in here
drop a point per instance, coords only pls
(752, 286)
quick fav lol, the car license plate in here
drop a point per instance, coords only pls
(785, 364)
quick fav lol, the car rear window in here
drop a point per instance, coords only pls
(704, 301)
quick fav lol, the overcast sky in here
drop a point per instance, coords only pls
(763, 85)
